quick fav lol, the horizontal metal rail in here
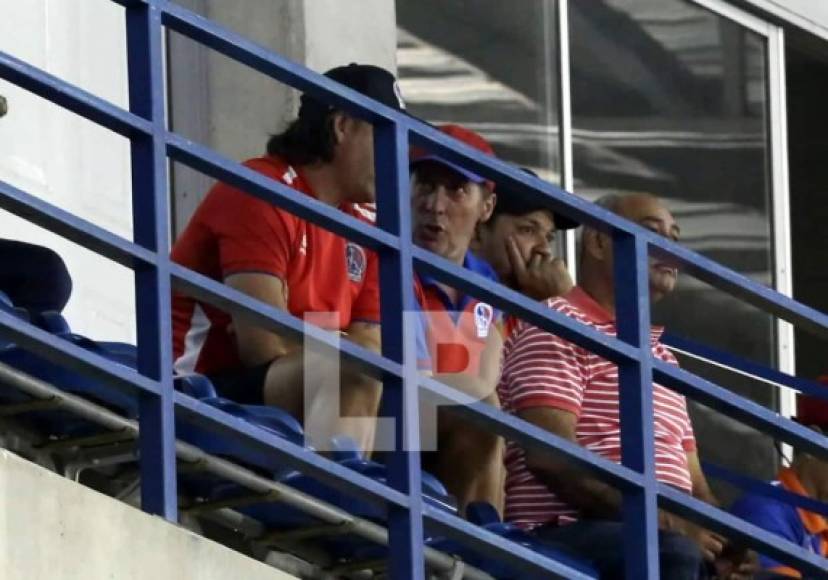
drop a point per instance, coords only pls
(190, 454)
(150, 138)
(743, 366)
(763, 488)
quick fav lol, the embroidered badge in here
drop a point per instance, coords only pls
(483, 315)
(356, 261)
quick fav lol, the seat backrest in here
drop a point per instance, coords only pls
(196, 386)
(345, 448)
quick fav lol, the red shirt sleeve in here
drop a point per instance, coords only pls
(366, 306)
(252, 235)
(545, 371)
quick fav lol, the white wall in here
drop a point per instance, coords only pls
(54, 529)
(66, 160)
(338, 33)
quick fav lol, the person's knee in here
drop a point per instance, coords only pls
(679, 556)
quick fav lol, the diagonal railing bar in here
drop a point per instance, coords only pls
(263, 60)
(705, 269)
(254, 183)
(523, 559)
(740, 531)
(701, 267)
(759, 487)
(71, 98)
(531, 311)
(302, 458)
(73, 228)
(530, 436)
(737, 407)
(743, 366)
(236, 302)
(62, 352)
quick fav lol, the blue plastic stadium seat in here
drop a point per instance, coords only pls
(214, 442)
(196, 386)
(486, 516)
(282, 517)
(60, 422)
(6, 305)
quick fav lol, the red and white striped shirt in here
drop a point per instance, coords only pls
(544, 370)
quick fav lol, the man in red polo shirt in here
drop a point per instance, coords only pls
(287, 262)
(573, 393)
(448, 204)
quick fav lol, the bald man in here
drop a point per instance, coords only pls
(573, 393)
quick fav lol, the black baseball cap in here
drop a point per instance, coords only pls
(372, 81)
(511, 203)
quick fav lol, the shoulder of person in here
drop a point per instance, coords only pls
(366, 212)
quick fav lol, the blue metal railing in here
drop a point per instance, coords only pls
(152, 144)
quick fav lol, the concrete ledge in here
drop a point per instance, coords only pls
(54, 529)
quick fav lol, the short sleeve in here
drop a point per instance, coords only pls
(544, 370)
(366, 307)
(252, 235)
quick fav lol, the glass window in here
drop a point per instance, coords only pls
(488, 66)
(669, 98)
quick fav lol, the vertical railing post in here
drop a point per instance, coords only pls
(152, 282)
(400, 396)
(632, 308)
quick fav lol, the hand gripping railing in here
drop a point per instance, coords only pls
(152, 143)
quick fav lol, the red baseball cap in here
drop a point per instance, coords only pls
(467, 136)
(812, 410)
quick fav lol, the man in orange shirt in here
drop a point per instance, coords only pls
(807, 476)
(291, 264)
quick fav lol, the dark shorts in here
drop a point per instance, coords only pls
(245, 385)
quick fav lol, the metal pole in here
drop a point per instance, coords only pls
(400, 395)
(152, 282)
(635, 393)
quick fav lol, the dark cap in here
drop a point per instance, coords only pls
(463, 135)
(511, 203)
(372, 81)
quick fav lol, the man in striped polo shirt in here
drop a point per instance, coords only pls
(573, 393)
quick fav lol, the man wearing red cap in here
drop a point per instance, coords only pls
(807, 476)
(291, 264)
(448, 203)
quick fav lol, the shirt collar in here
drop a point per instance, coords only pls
(596, 313)
(814, 523)
(471, 263)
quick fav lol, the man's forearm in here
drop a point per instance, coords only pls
(590, 496)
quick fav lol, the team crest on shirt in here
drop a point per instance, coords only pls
(355, 261)
(483, 316)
